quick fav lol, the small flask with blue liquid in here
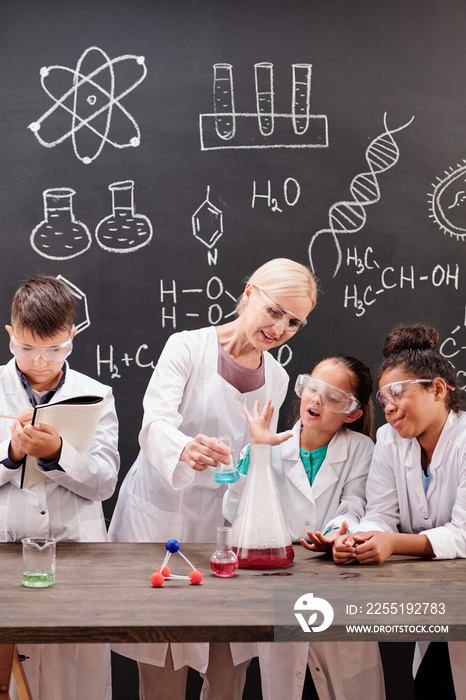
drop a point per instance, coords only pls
(227, 473)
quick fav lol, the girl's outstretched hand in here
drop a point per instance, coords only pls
(320, 542)
(259, 423)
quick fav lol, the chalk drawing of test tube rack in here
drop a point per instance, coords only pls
(227, 129)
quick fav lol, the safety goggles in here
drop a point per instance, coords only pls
(49, 353)
(335, 399)
(392, 393)
(277, 314)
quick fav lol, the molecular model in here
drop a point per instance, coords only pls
(163, 572)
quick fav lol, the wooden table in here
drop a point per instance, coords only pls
(103, 593)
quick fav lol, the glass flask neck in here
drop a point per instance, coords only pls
(122, 195)
(222, 534)
(260, 455)
(58, 199)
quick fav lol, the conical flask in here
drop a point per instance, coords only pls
(227, 473)
(259, 534)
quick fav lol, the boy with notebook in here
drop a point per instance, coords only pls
(67, 505)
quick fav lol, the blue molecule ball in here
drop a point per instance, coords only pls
(172, 546)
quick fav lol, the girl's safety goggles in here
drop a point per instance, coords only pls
(335, 399)
(392, 393)
(49, 353)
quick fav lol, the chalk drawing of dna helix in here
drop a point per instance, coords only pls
(350, 216)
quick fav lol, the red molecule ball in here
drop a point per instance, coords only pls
(164, 570)
(195, 577)
(157, 579)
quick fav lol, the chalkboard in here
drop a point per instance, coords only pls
(155, 152)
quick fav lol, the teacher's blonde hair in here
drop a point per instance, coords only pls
(283, 277)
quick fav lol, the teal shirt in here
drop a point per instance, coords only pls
(312, 461)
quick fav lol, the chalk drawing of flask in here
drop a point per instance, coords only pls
(60, 236)
(123, 231)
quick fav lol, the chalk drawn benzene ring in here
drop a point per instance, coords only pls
(207, 222)
(82, 299)
(77, 122)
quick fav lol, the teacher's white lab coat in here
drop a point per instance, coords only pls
(162, 498)
(341, 671)
(67, 506)
(396, 498)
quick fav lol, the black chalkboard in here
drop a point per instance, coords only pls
(328, 132)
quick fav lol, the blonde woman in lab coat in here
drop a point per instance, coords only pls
(321, 470)
(199, 387)
(416, 490)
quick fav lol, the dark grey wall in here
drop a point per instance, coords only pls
(382, 211)
(370, 189)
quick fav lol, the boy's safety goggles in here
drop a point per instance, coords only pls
(49, 353)
(335, 399)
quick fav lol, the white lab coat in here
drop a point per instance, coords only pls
(66, 506)
(162, 498)
(341, 671)
(396, 498)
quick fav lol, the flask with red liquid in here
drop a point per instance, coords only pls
(223, 561)
(259, 534)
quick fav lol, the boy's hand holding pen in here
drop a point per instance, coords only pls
(41, 441)
(24, 417)
(16, 452)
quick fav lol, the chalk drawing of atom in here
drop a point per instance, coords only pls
(87, 103)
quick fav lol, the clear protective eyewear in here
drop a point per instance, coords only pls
(49, 353)
(277, 313)
(392, 393)
(335, 399)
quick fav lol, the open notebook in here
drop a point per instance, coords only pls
(75, 418)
